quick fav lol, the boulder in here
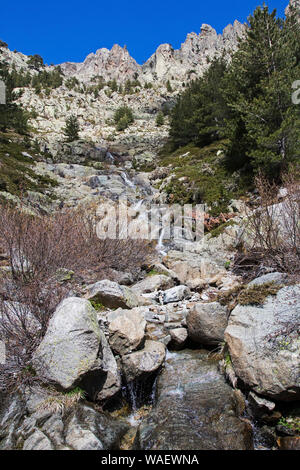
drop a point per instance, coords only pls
(112, 295)
(195, 409)
(289, 443)
(106, 384)
(264, 345)
(263, 409)
(144, 362)
(79, 427)
(207, 322)
(126, 330)
(195, 270)
(87, 429)
(153, 283)
(178, 338)
(94, 182)
(122, 278)
(276, 278)
(38, 441)
(74, 350)
(162, 269)
(260, 404)
(176, 294)
(12, 410)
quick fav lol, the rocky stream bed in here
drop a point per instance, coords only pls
(163, 364)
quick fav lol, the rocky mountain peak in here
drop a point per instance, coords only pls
(165, 64)
(294, 4)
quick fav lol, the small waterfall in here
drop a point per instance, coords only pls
(133, 398)
(177, 392)
(138, 205)
(141, 395)
(160, 245)
(127, 180)
(110, 157)
(260, 439)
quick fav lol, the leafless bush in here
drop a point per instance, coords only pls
(37, 247)
(273, 230)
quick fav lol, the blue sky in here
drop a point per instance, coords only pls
(69, 30)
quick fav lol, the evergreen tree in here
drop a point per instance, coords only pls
(35, 61)
(123, 117)
(168, 86)
(12, 116)
(160, 119)
(263, 126)
(71, 130)
(199, 113)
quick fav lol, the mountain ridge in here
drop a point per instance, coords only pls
(164, 63)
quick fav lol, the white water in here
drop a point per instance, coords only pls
(111, 157)
(138, 205)
(178, 391)
(127, 180)
(160, 245)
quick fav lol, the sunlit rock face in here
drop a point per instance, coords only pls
(165, 64)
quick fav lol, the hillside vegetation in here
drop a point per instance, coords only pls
(239, 118)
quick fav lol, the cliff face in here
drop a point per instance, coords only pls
(193, 56)
(110, 64)
(165, 64)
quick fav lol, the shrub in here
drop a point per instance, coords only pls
(35, 61)
(72, 83)
(71, 130)
(61, 402)
(123, 117)
(168, 86)
(273, 229)
(38, 248)
(248, 295)
(160, 119)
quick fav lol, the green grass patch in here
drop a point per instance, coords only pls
(17, 173)
(206, 176)
(249, 295)
(216, 232)
(98, 305)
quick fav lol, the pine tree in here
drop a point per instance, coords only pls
(199, 113)
(11, 115)
(168, 86)
(71, 130)
(123, 117)
(160, 119)
(263, 124)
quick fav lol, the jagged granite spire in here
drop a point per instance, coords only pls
(165, 64)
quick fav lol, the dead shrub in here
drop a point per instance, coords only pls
(273, 229)
(37, 248)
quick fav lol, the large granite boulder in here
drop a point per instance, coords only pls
(207, 322)
(195, 410)
(33, 423)
(264, 344)
(112, 295)
(126, 330)
(195, 270)
(154, 283)
(144, 362)
(176, 294)
(74, 351)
